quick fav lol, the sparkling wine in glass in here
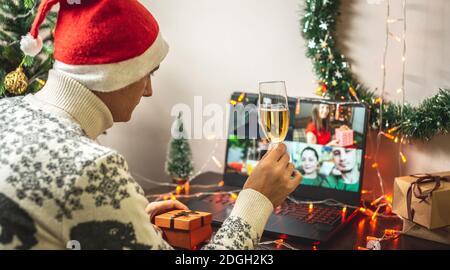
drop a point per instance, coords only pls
(273, 111)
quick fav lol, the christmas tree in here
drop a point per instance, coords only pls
(179, 158)
(27, 74)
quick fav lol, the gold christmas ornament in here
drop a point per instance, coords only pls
(16, 82)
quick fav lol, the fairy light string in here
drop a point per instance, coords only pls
(402, 158)
(383, 125)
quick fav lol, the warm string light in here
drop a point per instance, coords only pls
(390, 134)
(200, 171)
(383, 201)
(41, 82)
(212, 157)
(403, 157)
(278, 244)
(162, 184)
(388, 235)
(380, 203)
(353, 93)
(297, 107)
(187, 187)
(241, 97)
(171, 196)
(176, 192)
(400, 147)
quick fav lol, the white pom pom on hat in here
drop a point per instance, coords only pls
(32, 43)
(31, 46)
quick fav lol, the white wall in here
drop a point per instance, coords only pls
(219, 46)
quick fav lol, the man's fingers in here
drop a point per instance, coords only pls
(284, 160)
(156, 208)
(289, 170)
(296, 180)
(171, 204)
(276, 153)
(179, 205)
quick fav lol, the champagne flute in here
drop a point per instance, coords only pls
(273, 111)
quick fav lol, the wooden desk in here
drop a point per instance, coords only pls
(350, 237)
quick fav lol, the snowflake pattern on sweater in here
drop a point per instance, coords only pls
(58, 185)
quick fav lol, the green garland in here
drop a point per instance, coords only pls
(337, 82)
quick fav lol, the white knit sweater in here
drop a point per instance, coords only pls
(58, 185)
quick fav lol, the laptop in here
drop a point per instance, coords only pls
(332, 171)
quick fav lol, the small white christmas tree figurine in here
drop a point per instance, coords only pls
(179, 157)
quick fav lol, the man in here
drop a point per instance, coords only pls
(57, 185)
(345, 175)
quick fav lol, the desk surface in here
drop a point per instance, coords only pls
(350, 237)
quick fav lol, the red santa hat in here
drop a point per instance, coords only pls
(104, 44)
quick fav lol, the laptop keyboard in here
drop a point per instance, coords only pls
(223, 199)
(318, 214)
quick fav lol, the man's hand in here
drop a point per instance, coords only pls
(155, 208)
(275, 176)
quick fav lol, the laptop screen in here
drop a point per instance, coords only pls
(325, 141)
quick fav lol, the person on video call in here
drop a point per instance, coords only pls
(57, 184)
(345, 175)
(318, 130)
(310, 166)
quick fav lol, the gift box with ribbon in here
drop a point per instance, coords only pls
(344, 136)
(423, 199)
(185, 229)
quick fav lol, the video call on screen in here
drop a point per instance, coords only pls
(325, 143)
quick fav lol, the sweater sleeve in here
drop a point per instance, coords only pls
(113, 213)
(245, 225)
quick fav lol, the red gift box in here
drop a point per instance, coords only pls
(185, 229)
(344, 136)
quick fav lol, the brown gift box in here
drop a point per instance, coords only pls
(429, 199)
(185, 229)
